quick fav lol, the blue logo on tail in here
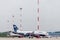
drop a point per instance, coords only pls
(15, 28)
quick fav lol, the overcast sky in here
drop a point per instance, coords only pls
(49, 14)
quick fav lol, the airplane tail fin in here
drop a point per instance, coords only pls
(15, 28)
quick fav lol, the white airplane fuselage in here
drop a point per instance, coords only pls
(29, 33)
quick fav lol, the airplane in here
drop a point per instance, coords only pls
(37, 34)
(19, 33)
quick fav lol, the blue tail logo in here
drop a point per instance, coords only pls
(15, 28)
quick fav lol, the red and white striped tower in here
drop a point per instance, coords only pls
(38, 18)
(13, 19)
(21, 19)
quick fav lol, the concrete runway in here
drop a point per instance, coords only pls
(29, 39)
